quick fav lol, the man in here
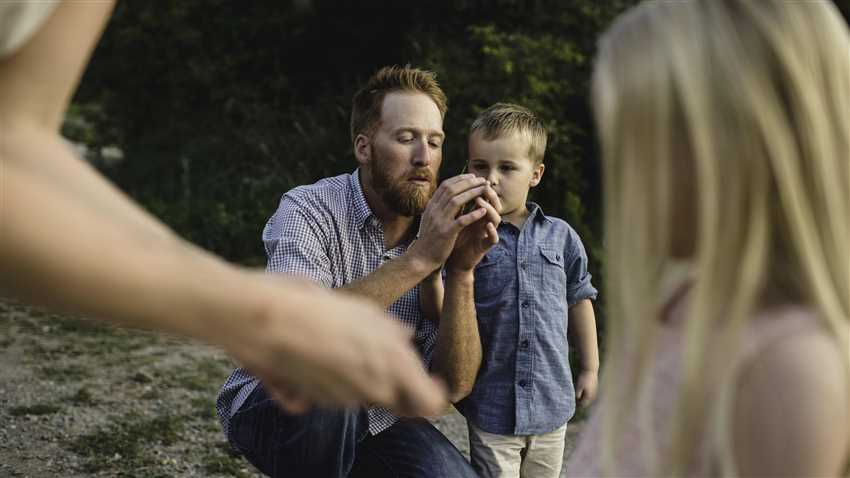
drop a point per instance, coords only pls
(377, 233)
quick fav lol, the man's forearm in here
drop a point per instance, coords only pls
(431, 293)
(457, 356)
(583, 323)
(390, 281)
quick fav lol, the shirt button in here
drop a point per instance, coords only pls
(523, 383)
(523, 265)
(523, 344)
(525, 304)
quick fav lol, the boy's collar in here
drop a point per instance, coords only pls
(536, 212)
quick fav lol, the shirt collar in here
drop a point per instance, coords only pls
(536, 212)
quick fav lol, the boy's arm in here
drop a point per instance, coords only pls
(583, 324)
(582, 321)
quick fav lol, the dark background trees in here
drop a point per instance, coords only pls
(220, 106)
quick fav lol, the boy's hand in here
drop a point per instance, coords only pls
(587, 387)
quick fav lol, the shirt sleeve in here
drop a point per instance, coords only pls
(296, 244)
(579, 286)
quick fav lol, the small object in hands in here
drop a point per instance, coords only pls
(469, 206)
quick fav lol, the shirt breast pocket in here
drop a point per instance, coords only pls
(490, 277)
(553, 278)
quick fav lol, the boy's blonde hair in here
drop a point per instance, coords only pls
(749, 99)
(503, 119)
(367, 102)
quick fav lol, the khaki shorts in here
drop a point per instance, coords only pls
(509, 456)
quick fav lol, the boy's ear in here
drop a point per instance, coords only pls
(537, 175)
(362, 150)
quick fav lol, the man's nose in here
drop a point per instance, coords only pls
(424, 155)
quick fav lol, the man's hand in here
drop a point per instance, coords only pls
(587, 386)
(442, 220)
(476, 239)
(317, 347)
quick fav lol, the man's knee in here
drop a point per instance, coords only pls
(422, 450)
(319, 442)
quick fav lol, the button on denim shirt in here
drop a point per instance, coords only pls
(523, 289)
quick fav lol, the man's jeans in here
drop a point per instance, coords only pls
(336, 444)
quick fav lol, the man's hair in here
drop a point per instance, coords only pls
(503, 119)
(366, 106)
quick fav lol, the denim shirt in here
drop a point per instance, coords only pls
(523, 289)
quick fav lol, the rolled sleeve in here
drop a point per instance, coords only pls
(579, 286)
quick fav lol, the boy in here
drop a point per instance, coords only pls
(526, 288)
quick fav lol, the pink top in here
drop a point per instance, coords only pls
(768, 327)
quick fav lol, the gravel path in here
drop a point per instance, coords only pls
(79, 399)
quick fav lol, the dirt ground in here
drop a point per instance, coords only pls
(81, 399)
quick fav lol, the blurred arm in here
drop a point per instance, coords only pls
(790, 416)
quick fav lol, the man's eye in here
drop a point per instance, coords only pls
(405, 138)
(436, 144)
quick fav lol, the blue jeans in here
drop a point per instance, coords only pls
(336, 444)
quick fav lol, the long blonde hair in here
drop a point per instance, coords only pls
(735, 113)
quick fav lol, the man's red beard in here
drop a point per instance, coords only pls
(402, 196)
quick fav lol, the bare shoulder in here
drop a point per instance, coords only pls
(791, 411)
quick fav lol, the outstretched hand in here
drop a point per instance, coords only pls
(334, 350)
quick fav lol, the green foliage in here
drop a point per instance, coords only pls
(220, 107)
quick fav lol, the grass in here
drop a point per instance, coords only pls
(64, 374)
(160, 390)
(37, 409)
(203, 407)
(124, 441)
(83, 396)
(199, 375)
(223, 460)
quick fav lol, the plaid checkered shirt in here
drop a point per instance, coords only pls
(327, 233)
